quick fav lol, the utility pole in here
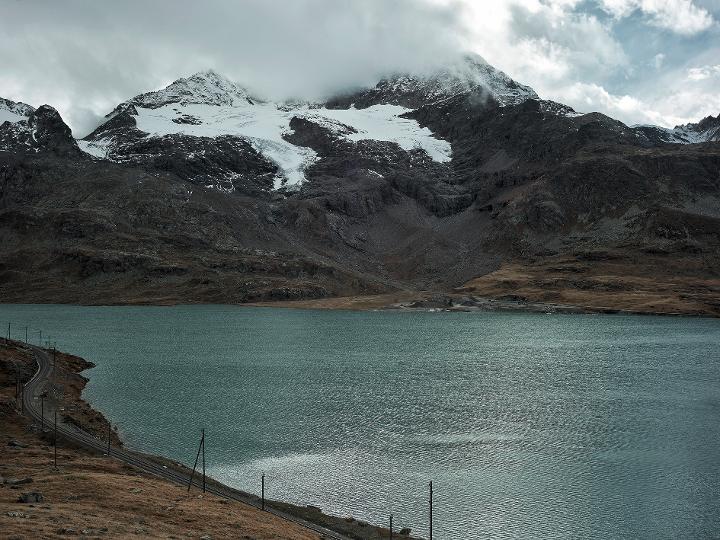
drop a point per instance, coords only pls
(40, 337)
(26, 335)
(109, 432)
(42, 413)
(197, 458)
(391, 531)
(262, 491)
(203, 447)
(55, 439)
(8, 338)
(431, 510)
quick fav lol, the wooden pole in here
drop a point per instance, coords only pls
(26, 334)
(109, 434)
(203, 448)
(431, 510)
(391, 531)
(197, 457)
(262, 491)
(42, 414)
(55, 439)
(8, 338)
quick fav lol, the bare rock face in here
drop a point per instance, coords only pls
(169, 200)
(43, 130)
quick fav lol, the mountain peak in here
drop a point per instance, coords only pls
(14, 111)
(469, 73)
(472, 73)
(205, 87)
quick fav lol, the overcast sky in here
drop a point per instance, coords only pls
(641, 61)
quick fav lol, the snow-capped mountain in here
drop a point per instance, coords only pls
(205, 88)
(470, 74)
(208, 106)
(707, 130)
(421, 182)
(11, 111)
(213, 132)
(26, 129)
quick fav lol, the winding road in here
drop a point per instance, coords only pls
(39, 384)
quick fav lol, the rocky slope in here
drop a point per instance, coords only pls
(203, 192)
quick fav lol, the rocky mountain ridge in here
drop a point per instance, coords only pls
(202, 192)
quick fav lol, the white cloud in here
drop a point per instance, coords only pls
(703, 72)
(680, 16)
(674, 108)
(85, 57)
(658, 60)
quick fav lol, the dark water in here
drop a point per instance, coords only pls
(530, 426)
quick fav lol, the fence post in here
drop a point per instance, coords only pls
(203, 448)
(431, 510)
(391, 527)
(55, 439)
(262, 490)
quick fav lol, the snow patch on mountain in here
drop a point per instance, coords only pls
(11, 111)
(382, 123)
(262, 125)
(265, 125)
(98, 149)
(708, 130)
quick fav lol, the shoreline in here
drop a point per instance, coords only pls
(76, 411)
(420, 301)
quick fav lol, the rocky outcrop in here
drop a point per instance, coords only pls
(42, 131)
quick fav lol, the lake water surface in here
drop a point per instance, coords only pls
(529, 426)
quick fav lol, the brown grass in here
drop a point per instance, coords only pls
(96, 497)
(606, 285)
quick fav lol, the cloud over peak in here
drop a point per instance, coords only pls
(639, 60)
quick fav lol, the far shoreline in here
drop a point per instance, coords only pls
(404, 302)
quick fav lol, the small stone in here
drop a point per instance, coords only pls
(32, 497)
(206, 537)
(18, 481)
(17, 514)
(17, 444)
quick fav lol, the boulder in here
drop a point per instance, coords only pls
(32, 497)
